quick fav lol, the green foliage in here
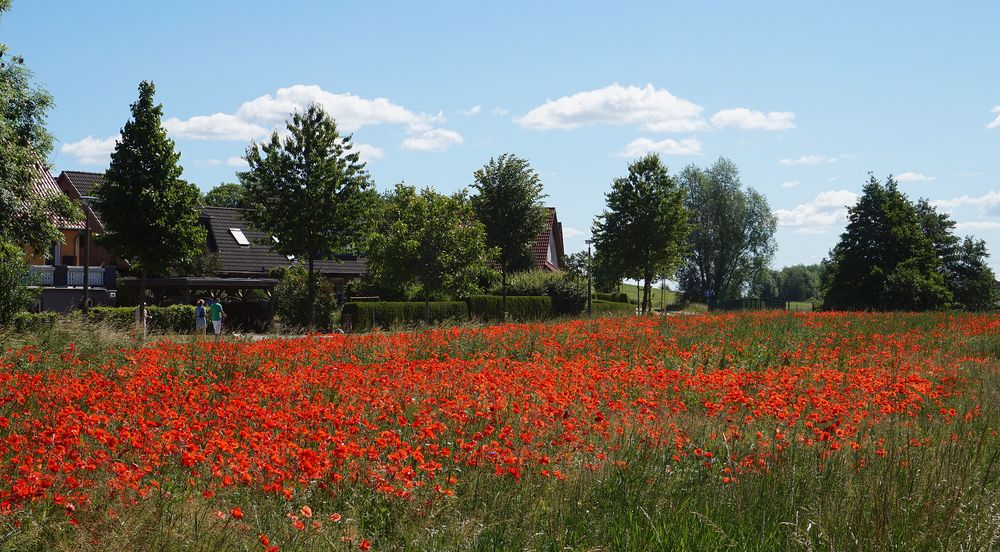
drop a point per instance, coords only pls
(793, 283)
(569, 295)
(427, 245)
(643, 231)
(172, 319)
(530, 282)
(227, 194)
(963, 262)
(24, 322)
(489, 308)
(732, 240)
(508, 201)
(611, 308)
(148, 211)
(884, 259)
(388, 314)
(15, 295)
(611, 297)
(309, 190)
(292, 299)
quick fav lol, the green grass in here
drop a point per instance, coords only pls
(668, 297)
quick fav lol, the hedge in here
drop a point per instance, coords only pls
(519, 307)
(384, 314)
(31, 321)
(172, 319)
(612, 297)
(611, 307)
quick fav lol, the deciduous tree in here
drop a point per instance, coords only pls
(508, 201)
(227, 194)
(309, 190)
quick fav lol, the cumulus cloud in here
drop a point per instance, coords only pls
(826, 209)
(90, 150)
(913, 177)
(815, 159)
(790, 184)
(988, 203)
(476, 110)
(995, 123)
(437, 139)
(744, 118)
(655, 110)
(369, 152)
(642, 146)
(219, 126)
(977, 226)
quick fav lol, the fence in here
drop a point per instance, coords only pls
(752, 303)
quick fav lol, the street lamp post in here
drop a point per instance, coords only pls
(590, 270)
(86, 259)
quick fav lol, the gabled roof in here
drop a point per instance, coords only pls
(84, 182)
(258, 256)
(43, 185)
(540, 249)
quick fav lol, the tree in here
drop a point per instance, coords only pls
(148, 212)
(792, 283)
(309, 190)
(227, 194)
(884, 260)
(732, 239)
(508, 201)
(428, 245)
(644, 228)
(963, 262)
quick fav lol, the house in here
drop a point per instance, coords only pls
(246, 253)
(59, 272)
(547, 251)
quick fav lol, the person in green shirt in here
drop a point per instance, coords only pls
(217, 314)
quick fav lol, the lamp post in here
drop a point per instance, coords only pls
(590, 270)
(86, 257)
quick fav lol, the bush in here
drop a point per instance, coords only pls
(15, 295)
(172, 319)
(385, 314)
(292, 299)
(530, 283)
(569, 295)
(24, 322)
(612, 308)
(612, 297)
(520, 308)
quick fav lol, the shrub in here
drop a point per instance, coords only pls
(172, 319)
(612, 297)
(292, 299)
(530, 283)
(385, 314)
(569, 295)
(520, 308)
(32, 321)
(612, 308)
(15, 295)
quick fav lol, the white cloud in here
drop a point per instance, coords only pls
(219, 126)
(988, 203)
(499, 111)
(570, 232)
(351, 112)
(815, 159)
(655, 110)
(995, 123)
(476, 110)
(236, 162)
(974, 226)
(790, 184)
(369, 152)
(437, 139)
(826, 209)
(642, 146)
(90, 150)
(744, 118)
(913, 177)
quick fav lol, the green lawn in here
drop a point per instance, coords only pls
(668, 296)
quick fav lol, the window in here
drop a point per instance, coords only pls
(239, 237)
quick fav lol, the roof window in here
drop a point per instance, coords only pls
(239, 236)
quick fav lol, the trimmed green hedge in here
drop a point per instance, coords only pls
(172, 319)
(602, 308)
(612, 297)
(384, 314)
(31, 321)
(519, 307)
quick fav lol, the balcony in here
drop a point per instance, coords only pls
(72, 276)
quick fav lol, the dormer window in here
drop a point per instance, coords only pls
(239, 236)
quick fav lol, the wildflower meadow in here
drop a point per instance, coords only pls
(754, 431)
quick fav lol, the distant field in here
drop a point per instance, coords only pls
(799, 306)
(669, 297)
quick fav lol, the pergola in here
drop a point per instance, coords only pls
(185, 290)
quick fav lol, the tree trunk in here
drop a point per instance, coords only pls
(638, 302)
(312, 295)
(645, 294)
(503, 293)
(142, 301)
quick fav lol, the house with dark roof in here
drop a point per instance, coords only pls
(244, 252)
(547, 251)
(60, 272)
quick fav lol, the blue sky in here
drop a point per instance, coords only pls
(805, 98)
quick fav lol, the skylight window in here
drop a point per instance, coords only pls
(239, 236)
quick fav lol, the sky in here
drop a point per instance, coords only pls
(805, 98)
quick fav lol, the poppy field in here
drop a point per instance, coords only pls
(756, 431)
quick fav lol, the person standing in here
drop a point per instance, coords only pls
(200, 318)
(217, 314)
(142, 321)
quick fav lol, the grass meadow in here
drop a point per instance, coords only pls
(739, 431)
